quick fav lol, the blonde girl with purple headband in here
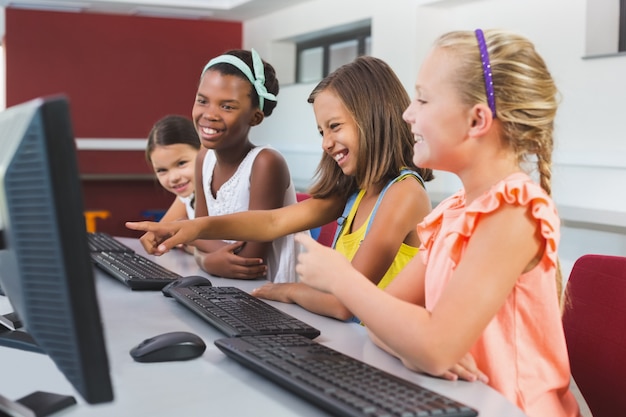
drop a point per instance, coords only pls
(481, 300)
(237, 90)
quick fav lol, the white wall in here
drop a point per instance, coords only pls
(590, 154)
(2, 66)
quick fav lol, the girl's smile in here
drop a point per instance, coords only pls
(174, 167)
(340, 137)
(222, 112)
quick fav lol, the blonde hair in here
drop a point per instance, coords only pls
(526, 97)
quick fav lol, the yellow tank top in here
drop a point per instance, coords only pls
(348, 243)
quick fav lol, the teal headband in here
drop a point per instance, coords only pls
(257, 80)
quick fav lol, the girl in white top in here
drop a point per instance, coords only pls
(238, 90)
(171, 151)
(234, 196)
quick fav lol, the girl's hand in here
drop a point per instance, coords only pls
(318, 265)
(225, 262)
(187, 248)
(276, 292)
(161, 237)
(465, 369)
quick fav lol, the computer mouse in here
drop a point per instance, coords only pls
(185, 282)
(173, 346)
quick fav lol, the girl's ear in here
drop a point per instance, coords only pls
(481, 120)
(257, 117)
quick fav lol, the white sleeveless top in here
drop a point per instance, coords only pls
(234, 196)
(191, 212)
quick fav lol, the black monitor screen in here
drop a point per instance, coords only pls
(45, 269)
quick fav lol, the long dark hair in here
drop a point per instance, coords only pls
(170, 130)
(376, 98)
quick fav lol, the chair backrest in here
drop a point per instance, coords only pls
(327, 234)
(594, 322)
(324, 234)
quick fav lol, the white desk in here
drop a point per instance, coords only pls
(212, 384)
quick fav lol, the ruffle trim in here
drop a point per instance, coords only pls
(517, 189)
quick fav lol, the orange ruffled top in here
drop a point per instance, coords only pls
(522, 350)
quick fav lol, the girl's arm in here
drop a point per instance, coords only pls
(254, 225)
(202, 247)
(403, 206)
(308, 297)
(267, 219)
(505, 244)
(177, 211)
(269, 179)
(257, 225)
(200, 207)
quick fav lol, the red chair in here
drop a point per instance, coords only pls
(324, 234)
(594, 322)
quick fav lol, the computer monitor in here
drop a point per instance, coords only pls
(45, 268)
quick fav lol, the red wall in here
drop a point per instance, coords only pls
(121, 74)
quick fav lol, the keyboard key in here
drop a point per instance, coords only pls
(135, 271)
(101, 242)
(336, 382)
(235, 312)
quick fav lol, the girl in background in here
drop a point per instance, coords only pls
(171, 151)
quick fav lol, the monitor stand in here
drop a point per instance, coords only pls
(39, 403)
(11, 336)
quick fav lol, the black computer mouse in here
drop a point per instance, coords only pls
(173, 346)
(185, 282)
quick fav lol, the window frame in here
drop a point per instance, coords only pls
(325, 42)
(621, 42)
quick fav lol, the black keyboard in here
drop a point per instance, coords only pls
(342, 385)
(236, 313)
(136, 271)
(101, 242)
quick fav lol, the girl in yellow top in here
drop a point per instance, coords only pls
(348, 239)
(481, 300)
(358, 109)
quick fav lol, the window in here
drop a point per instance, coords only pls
(606, 28)
(318, 57)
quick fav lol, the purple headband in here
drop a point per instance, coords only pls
(484, 58)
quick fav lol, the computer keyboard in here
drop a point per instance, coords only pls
(342, 385)
(236, 313)
(101, 242)
(136, 271)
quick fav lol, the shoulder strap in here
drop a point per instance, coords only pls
(341, 221)
(403, 174)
